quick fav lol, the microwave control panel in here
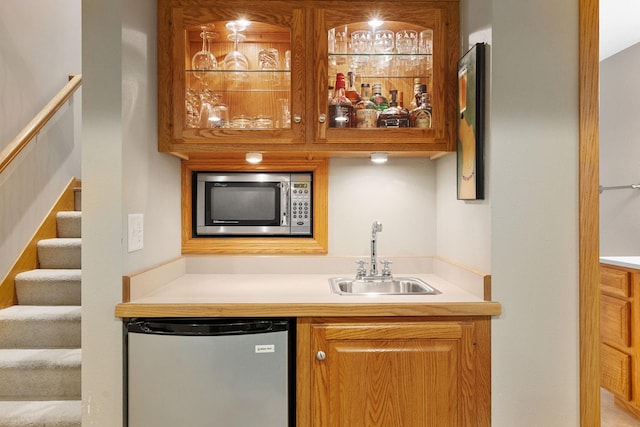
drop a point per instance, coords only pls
(301, 209)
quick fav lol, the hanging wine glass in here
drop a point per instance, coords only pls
(204, 60)
(236, 60)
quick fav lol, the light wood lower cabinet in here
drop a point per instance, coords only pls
(394, 372)
(619, 340)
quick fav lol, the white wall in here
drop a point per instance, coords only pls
(102, 195)
(151, 180)
(534, 212)
(399, 193)
(124, 174)
(620, 153)
(464, 227)
(39, 49)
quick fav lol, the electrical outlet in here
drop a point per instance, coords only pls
(135, 232)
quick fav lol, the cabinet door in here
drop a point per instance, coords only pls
(615, 321)
(202, 72)
(614, 281)
(395, 373)
(434, 66)
(615, 371)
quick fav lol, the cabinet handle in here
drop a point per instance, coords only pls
(297, 118)
(322, 118)
(320, 355)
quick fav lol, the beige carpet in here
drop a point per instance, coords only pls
(40, 355)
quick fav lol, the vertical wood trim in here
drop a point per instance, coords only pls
(126, 288)
(482, 368)
(487, 287)
(588, 213)
(303, 372)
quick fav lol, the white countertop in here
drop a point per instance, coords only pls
(622, 261)
(172, 290)
(284, 289)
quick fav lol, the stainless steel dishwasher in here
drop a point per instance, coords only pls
(209, 372)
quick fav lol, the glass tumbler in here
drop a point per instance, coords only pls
(283, 119)
(269, 60)
(383, 45)
(361, 48)
(338, 41)
(263, 122)
(425, 47)
(219, 113)
(406, 47)
(241, 122)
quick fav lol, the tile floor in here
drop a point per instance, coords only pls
(612, 416)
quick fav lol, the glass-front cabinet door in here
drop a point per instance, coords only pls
(228, 75)
(395, 65)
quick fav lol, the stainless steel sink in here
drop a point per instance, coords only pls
(381, 286)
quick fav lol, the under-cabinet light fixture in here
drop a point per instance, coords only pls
(379, 158)
(254, 157)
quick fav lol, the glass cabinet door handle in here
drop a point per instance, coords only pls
(297, 118)
(322, 118)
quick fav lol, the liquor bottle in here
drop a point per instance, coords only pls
(394, 116)
(401, 104)
(428, 102)
(415, 102)
(420, 117)
(428, 106)
(366, 111)
(351, 91)
(380, 101)
(341, 113)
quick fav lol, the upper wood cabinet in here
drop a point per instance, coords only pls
(279, 103)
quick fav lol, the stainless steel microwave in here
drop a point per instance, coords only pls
(252, 204)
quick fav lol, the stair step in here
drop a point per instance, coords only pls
(69, 223)
(27, 326)
(49, 287)
(38, 374)
(50, 413)
(60, 253)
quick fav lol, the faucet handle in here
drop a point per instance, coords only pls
(361, 271)
(386, 271)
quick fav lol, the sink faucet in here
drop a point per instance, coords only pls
(376, 227)
(361, 272)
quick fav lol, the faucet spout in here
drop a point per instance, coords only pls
(376, 227)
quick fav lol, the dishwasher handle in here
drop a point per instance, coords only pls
(206, 326)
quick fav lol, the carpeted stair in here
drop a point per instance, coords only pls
(40, 353)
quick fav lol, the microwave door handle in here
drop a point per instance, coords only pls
(284, 204)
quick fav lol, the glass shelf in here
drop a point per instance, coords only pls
(395, 55)
(257, 72)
